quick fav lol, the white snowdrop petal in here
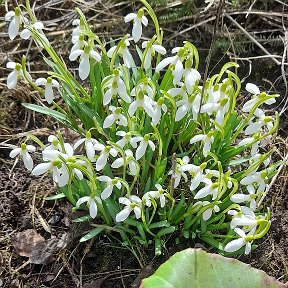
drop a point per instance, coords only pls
(101, 162)
(99, 147)
(79, 142)
(82, 200)
(107, 192)
(38, 25)
(25, 34)
(75, 54)
(124, 200)
(144, 20)
(197, 138)
(12, 80)
(9, 15)
(117, 163)
(147, 60)
(49, 95)
(234, 245)
(111, 51)
(165, 62)
(248, 105)
(68, 149)
(109, 120)
(113, 152)
(137, 212)
(78, 174)
(160, 49)
(41, 169)
(31, 148)
(11, 65)
(252, 88)
(207, 214)
(130, 17)
(95, 55)
(28, 161)
(107, 97)
(63, 179)
(15, 152)
(104, 178)
(123, 215)
(92, 208)
(133, 107)
(239, 198)
(181, 113)
(40, 81)
(13, 28)
(84, 67)
(141, 150)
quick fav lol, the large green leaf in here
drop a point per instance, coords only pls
(194, 268)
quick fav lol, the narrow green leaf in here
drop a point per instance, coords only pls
(92, 234)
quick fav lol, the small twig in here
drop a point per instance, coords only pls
(252, 38)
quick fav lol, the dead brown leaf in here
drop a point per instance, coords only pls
(44, 252)
(24, 242)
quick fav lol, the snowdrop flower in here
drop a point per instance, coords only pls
(110, 183)
(84, 67)
(91, 202)
(197, 173)
(209, 189)
(124, 53)
(179, 91)
(14, 76)
(159, 193)
(115, 117)
(26, 33)
(126, 138)
(253, 89)
(89, 143)
(144, 142)
(260, 178)
(132, 204)
(250, 140)
(263, 120)
(16, 20)
(23, 151)
(79, 42)
(104, 154)
(144, 102)
(145, 88)
(181, 167)
(151, 51)
(138, 20)
(48, 83)
(188, 103)
(52, 165)
(129, 160)
(116, 87)
(176, 60)
(219, 107)
(55, 145)
(79, 27)
(240, 198)
(245, 218)
(191, 76)
(244, 240)
(158, 107)
(206, 139)
(208, 212)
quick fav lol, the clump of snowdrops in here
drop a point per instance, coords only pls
(160, 152)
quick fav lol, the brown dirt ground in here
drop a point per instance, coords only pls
(102, 262)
